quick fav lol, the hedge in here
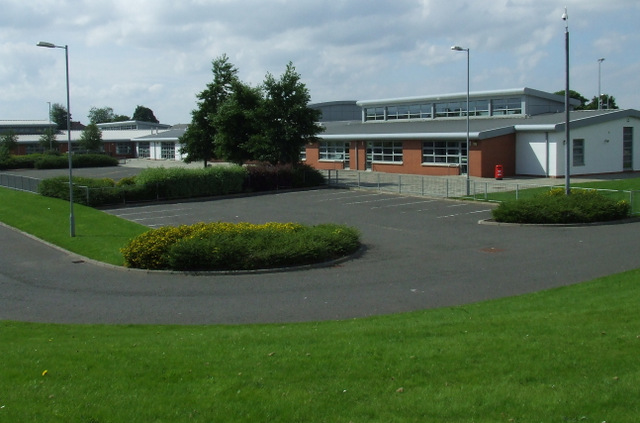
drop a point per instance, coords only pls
(242, 246)
(581, 206)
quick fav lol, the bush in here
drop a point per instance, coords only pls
(88, 191)
(242, 246)
(267, 177)
(19, 162)
(185, 183)
(582, 206)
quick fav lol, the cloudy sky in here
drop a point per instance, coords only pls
(158, 53)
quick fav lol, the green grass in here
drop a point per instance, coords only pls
(99, 236)
(566, 355)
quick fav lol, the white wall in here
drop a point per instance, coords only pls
(602, 152)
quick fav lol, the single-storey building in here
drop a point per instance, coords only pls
(522, 130)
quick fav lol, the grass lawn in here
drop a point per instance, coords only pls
(99, 236)
(565, 355)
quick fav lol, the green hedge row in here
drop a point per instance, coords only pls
(57, 161)
(175, 183)
(242, 246)
(554, 207)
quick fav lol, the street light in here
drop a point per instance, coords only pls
(458, 48)
(72, 223)
(599, 80)
(567, 143)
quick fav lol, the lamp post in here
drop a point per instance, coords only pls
(567, 143)
(458, 48)
(599, 81)
(72, 223)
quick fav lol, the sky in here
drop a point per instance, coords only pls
(158, 53)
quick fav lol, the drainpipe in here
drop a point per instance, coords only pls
(546, 165)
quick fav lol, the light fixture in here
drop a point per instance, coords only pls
(72, 223)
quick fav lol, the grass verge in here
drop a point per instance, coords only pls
(566, 355)
(99, 236)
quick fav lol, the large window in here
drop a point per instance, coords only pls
(507, 106)
(334, 150)
(578, 152)
(444, 152)
(144, 150)
(386, 151)
(374, 113)
(123, 148)
(168, 150)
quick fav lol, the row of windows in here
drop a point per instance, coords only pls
(435, 152)
(507, 106)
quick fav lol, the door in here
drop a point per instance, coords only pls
(627, 148)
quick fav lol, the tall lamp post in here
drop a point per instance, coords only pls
(567, 143)
(599, 81)
(458, 48)
(72, 223)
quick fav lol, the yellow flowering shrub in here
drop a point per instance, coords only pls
(238, 245)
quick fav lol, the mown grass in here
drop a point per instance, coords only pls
(566, 355)
(99, 236)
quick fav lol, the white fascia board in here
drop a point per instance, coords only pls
(536, 128)
(414, 136)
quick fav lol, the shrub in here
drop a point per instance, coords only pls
(582, 206)
(88, 191)
(267, 177)
(227, 246)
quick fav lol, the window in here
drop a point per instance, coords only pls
(123, 148)
(444, 152)
(168, 150)
(479, 108)
(374, 113)
(144, 150)
(627, 148)
(386, 151)
(334, 150)
(451, 109)
(578, 152)
(507, 106)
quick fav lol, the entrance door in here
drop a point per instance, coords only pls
(368, 156)
(627, 148)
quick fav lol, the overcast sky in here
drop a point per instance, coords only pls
(158, 53)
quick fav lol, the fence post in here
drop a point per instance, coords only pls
(399, 184)
(378, 181)
(517, 191)
(422, 189)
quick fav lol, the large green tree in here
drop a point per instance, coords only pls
(91, 138)
(288, 122)
(101, 115)
(59, 116)
(198, 141)
(238, 123)
(607, 102)
(144, 114)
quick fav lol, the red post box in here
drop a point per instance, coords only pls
(499, 172)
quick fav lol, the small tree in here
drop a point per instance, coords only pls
(8, 143)
(48, 141)
(91, 138)
(101, 115)
(606, 101)
(59, 116)
(144, 114)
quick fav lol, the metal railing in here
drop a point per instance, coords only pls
(455, 187)
(18, 182)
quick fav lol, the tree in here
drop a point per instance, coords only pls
(48, 140)
(101, 115)
(607, 102)
(91, 138)
(144, 114)
(238, 123)
(575, 95)
(121, 118)
(8, 143)
(288, 122)
(59, 116)
(198, 140)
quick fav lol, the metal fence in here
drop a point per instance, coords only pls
(456, 187)
(18, 182)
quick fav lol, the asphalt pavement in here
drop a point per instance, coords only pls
(419, 253)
